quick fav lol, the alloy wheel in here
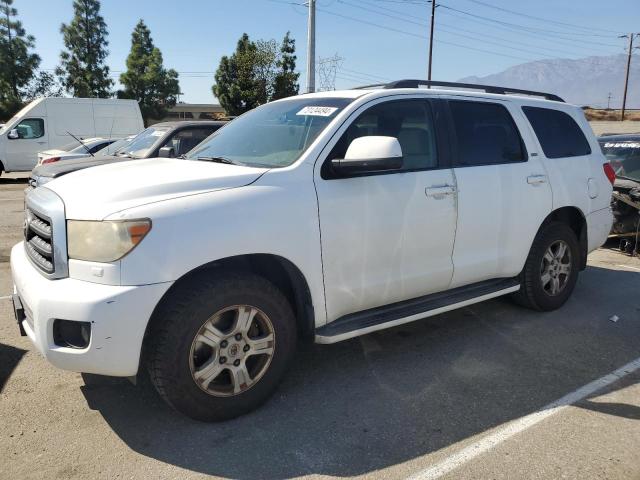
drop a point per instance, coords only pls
(232, 350)
(556, 267)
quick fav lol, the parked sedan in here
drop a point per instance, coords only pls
(167, 139)
(75, 149)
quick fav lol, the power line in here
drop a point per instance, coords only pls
(528, 27)
(416, 35)
(454, 32)
(411, 20)
(541, 30)
(571, 42)
(546, 20)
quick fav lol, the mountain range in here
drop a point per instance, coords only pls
(584, 81)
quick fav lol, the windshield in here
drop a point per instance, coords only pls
(140, 145)
(624, 157)
(273, 135)
(115, 147)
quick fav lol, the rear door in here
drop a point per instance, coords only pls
(567, 155)
(503, 190)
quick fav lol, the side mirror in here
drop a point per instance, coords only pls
(167, 152)
(369, 155)
(13, 134)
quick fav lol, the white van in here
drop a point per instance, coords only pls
(48, 122)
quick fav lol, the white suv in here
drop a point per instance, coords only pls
(322, 216)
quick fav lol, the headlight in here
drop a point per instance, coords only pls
(104, 241)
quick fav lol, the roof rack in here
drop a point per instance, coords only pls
(485, 88)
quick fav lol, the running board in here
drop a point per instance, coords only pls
(379, 318)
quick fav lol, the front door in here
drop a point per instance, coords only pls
(387, 237)
(22, 152)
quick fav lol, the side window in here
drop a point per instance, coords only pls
(486, 134)
(185, 140)
(558, 133)
(31, 128)
(410, 121)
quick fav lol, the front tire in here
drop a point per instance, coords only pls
(551, 270)
(221, 345)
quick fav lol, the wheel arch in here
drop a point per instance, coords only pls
(283, 273)
(576, 220)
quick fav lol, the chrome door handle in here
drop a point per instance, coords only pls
(536, 179)
(439, 191)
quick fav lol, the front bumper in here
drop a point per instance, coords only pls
(118, 316)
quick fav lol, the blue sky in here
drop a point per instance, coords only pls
(378, 39)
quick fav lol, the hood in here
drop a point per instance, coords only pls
(57, 169)
(95, 193)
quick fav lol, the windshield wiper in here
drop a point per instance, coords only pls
(217, 160)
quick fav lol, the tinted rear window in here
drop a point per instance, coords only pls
(558, 133)
(486, 134)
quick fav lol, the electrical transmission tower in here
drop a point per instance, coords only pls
(327, 69)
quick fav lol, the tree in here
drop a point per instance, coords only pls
(146, 80)
(236, 86)
(17, 62)
(44, 84)
(256, 73)
(82, 70)
(264, 69)
(286, 78)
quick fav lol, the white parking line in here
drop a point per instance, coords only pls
(513, 428)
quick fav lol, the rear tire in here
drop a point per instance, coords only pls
(551, 270)
(221, 345)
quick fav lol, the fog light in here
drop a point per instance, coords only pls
(71, 334)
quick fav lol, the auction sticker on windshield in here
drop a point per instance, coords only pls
(317, 111)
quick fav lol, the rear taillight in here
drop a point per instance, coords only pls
(51, 160)
(609, 172)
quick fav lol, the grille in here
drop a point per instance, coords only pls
(38, 235)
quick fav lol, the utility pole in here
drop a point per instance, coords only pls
(626, 78)
(311, 48)
(609, 101)
(433, 19)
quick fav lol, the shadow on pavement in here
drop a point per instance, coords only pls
(9, 359)
(366, 404)
(623, 410)
(13, 181)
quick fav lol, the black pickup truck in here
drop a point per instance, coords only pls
(167, 139)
